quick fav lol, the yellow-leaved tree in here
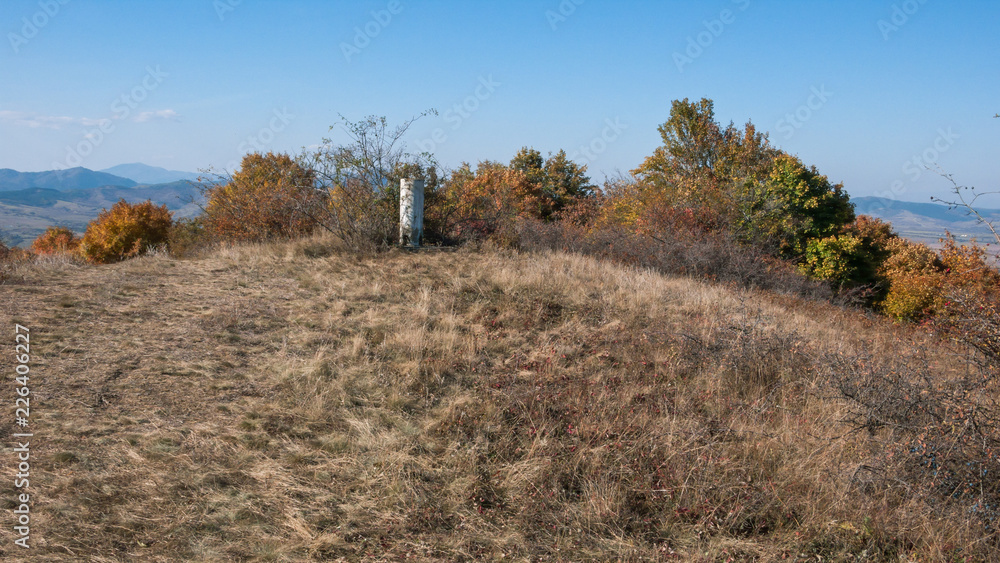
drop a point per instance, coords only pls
(125, 231)
(270, 196)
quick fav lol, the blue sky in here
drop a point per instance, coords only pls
(858, 88)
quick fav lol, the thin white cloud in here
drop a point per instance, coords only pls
(163, 114)
(36, 121)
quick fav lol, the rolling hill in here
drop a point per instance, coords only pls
(285, 402)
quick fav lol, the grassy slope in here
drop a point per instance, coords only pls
(276, 403)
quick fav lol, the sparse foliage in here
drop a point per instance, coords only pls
(359, 181)
(965, 198)
(10, 258)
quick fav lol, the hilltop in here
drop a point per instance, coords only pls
(288, 402)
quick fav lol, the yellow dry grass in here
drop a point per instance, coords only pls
(275, 403)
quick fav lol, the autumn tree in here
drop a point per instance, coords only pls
(682, 171)
(558, 180)
(488, 202)
(530, 162)
(270, 196)
(721, 172)
(735, 181)
(565, 182)
(125, 231)
(802, 206)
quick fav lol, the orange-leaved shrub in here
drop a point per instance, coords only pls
(270, 196)
(924, 284)
(642, 208)
(913, 273)
(487, 204)
(56, 240)
(968, 266)
(125, 231)
(970, 311)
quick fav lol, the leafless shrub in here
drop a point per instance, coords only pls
(933, 440)
(713, 257)
(359, 181)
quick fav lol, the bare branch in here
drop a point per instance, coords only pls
(969, 204)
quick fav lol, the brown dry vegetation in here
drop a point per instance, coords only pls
(284, 402)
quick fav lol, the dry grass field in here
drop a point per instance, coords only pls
(285, 402)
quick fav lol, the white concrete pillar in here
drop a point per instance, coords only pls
(411, 212)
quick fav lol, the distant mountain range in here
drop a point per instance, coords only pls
(32, 201)
(145, 174)
(69, 179)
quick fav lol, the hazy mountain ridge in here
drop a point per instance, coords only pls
(174, 195)
(71, 179)
(149, 175)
